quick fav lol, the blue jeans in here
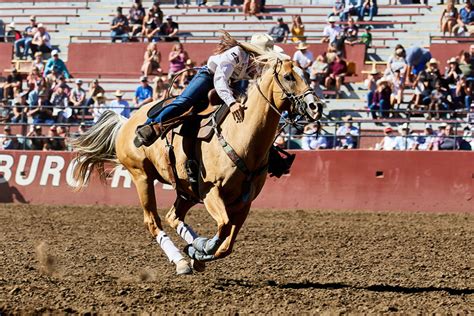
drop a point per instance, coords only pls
(195, 93)
(384, 108)
(467, 102)
(25, 43)
(119, 36)
(372, 11)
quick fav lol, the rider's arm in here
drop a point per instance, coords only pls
(224, 71)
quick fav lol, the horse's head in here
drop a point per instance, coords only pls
(292, 93)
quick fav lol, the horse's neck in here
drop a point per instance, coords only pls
(253, 137)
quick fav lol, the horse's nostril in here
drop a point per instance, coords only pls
(312, 106)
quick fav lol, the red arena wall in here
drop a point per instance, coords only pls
(335, 180)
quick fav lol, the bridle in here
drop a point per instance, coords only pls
(297, 101)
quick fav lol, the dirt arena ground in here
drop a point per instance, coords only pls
(101, 259)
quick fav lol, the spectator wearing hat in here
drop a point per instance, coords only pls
(13, 34)
(280, 31)
(465, 21)
(337, 72)
(381, 99)
(143, 93)
(22, 45)
(405, 141)
(119, 27)
(169, 30)
(36, 137)
(8, 141)
(426, 81)
(347, 134)
(427, 139)
(119, 105)
(389, 142)
(94, 89)
(303, 58)
(331, 31)
(297, 30)
(18, 111)
(136, 14)
(41, 41)
(453, 72)
(77, 98)
(58, 63)
(366, 37)
(99, 106)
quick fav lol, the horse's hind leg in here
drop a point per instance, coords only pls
(175, 218)
(146, 193)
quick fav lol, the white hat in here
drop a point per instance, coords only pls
(332, 18)
(40, 25)
(54, 52)
(443, 125)
(119, 93)
(78, 81)
(11, 25)
(302, 45)
(169, 17)
(260, 43)
(428, 126)
(433, 61)
(404, 126)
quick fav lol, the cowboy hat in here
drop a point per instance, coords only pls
(12, 25)
(374, 72)
(301, 45)
(332, 19)
(260, 43)
(404, 126)
(119, 93)
(99, 96)
(433, 61)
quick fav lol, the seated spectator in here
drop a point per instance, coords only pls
(462, 96)
(416, 58)
(99, 106)
(51, 80)
(94, 90)
(18, 111)
(311, 140)
(337, 72)
(389, 142)
(251, 7)
(177, 58)
(397, 62)
(453, 73)
(338, 8)
(77, 98)
(352, 7)
(189, 74)
(41, 113)
(155, 7)
(427, 139)
(136, 15)
(445, 139)
(331, 31)
(22, 45)
(347, 134)
(448, 19)
(8, 141)
(33, 77)
(152, 28)
(36, 137)
(169, 30)
(368, 7)
(297, 30)
(381, 100)
(143, 94)
(280, 31)
(61, 83)
(159, 89)
(58, 63)
(41, 41)
(175, 89)
(318, 73)
(13, 85)
(55, 141)
(303, 58)
(438, 102)
(465, 22)
(405, 141)
(371, 85)
(466, 64)
(351, 32)
(61, 110)
(119, 105)
(151, 61)
(366, 38)
(5, 111)
(396, 82)
(119, 27)
(13, 34)
(425, 83)
(179, 2)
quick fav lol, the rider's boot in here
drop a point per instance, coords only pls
(147, 134)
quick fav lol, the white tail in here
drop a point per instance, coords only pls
(96, 147)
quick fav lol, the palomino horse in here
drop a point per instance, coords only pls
(226, 190)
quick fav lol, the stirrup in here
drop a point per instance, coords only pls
(147, 134)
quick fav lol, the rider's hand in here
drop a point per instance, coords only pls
(237, 110)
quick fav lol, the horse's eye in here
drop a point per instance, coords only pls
(289, 77)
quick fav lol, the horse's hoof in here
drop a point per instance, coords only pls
(182, 267)
(198, 266)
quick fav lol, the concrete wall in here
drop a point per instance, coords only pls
(336, 180)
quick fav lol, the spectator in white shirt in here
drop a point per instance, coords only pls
(331, 31)
(119, 105)
(41, 41)
(389, 141)
(405, 141)
(303, 57)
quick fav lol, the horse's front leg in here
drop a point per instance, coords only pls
(175, 219)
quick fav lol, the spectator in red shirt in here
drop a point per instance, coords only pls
(13, 34)
(337, 71)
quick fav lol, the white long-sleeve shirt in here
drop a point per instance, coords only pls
(232, 65)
